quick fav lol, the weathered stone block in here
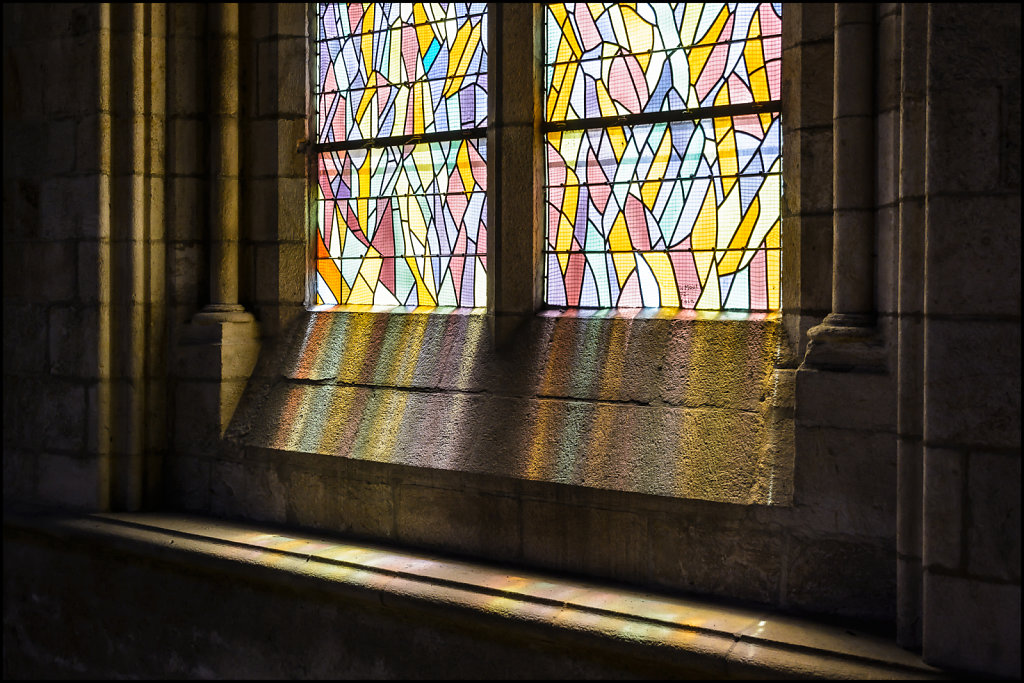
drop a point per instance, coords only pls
(807, 85)
(186, 212)
(186, 144)
(608, 543)
(973, 256)
(972, 388)
(186, 482)
(842, 577)
(848, 478)
(963, 142)
(73, 332)
(847, 400)
(364, 508)
(68, 481)
(689, 553)
(942, 524)
(25, 336)
(459, 521)
(228, 481)
(971, 625)
(993, 508)
(291, 20)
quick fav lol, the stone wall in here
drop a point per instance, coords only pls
(882, 484)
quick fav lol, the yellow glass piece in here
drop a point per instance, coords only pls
(367, 45)
(725, 136)
(770, 196)
(395, 64)
(698, 56)
(559, 12)
(338, 238)
(771, 240)
(460, 57)
(423, 295)
(424, 31)
(754, 57)
(704, 261)
(605, 100)
(421, 95)
(332, 276)
(711, 297)
(705, 227)
(465, 169)
(661, 265)
(564, 93)
(691, 19)
(728, 219)
(618, 140)
(563, 261)
(569, 205)
(639, 34)
(730, 263)
(417, 226)
(366, 280)
(624, 265)
(618, 238)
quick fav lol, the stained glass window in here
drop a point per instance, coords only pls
(663, 155)
(401, 117)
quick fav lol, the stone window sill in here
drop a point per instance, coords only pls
(678, 636)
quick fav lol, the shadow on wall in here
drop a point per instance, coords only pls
(664, 403)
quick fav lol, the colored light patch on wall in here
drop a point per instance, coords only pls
(389, 69)
(403, 225)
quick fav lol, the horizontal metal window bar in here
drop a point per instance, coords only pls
(647, 118)
(399, 140)
(660, 251)
(354, 259)
(407, 84)
(428, 195)
(665, 179)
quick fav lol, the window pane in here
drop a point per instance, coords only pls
(403, 225)
(679, 213)
(401, 222)
(390, 69)
(607, 59)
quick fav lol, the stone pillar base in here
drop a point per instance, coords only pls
(215, 358)
(845, 341)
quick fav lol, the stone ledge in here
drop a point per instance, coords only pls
(681, 636)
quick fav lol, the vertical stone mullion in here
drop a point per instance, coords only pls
(514, 165)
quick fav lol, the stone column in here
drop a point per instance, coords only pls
(221, 345)
(847, 337)
(224, 150)
(909, 326)
(514, 166)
